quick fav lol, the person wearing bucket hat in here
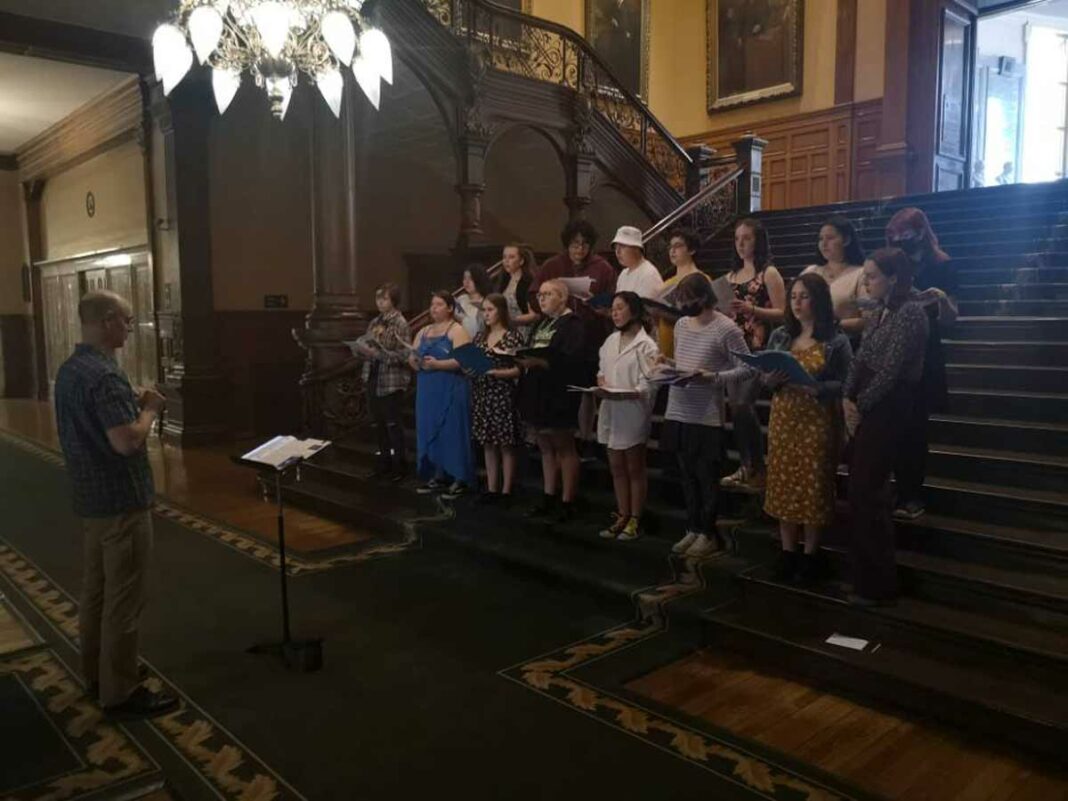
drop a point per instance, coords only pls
(639, 275)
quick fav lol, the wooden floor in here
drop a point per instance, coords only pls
(201, 479)
(887, 755)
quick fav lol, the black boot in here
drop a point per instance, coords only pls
(545, 506)
(786, 567)
(813, 567)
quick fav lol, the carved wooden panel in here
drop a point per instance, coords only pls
(815, 158)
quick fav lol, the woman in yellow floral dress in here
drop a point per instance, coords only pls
(804, 432)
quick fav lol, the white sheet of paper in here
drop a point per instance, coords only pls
(854, 643)
(281, 449)
(578, 287)
(724, 293)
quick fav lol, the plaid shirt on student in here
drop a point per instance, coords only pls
(388, 372)
(92, 395)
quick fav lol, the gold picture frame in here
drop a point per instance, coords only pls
(611, 28)
(755, 51)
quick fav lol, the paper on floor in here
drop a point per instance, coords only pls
(855, 643)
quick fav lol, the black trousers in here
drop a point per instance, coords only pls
(910, 469)
(386, 411)
(699, 451)
(873, 453)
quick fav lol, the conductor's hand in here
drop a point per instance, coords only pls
(151, 400)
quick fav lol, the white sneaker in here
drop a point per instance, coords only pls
(702, 546)
(685, 542)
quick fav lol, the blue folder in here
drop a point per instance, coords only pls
(771, 361)
(473, 359)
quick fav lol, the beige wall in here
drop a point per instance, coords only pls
(678, 56)
(871, 49)
(117, 180)
(11, 244)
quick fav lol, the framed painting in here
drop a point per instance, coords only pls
(619, 32)
(755, 51)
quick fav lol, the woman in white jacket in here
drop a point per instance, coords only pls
(627, 398)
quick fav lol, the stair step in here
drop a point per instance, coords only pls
(1013, 291)
(1044, 646)
(1014, 308)
(1003, 328)
(1000, 505)
(1031, 407)
(984, 275)
(965, 685)
(1017, 435)
(1005, 467)
(1018, 353)
(1027, 378)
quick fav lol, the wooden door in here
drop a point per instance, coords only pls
(956, 76)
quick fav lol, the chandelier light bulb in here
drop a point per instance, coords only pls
(167, 42)
(272, 20)
(331, 84)
(369, 79)
(225, 83)
(374, 47)
(205, 29)
(339, 35)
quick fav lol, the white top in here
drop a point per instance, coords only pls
(622, 424)
(472, 320)
(706, 347)
(845, 289)
(644, 280)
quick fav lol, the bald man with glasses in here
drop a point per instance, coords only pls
(103, 425)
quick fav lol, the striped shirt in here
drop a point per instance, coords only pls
(706, 347)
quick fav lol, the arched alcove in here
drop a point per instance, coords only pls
(525, 189)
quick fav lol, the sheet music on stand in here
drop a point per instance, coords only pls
(284, 450)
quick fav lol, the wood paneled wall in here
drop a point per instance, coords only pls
(814, 158)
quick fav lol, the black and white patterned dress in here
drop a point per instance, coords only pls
(495, 419)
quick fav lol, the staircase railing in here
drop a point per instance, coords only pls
(520, 44)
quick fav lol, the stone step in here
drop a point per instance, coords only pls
(1035, 645)
(1019, 353)
(999, 467)
(1008, 378)
(962, 684)
(1031, 407)
(985, 275)
(1013, 308)
(1043, 439)
(1013, 291)
(1010, 329)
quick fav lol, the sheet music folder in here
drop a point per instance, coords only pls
(282, 452)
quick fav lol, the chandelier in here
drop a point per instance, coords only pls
(274, 41)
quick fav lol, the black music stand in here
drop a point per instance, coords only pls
(305, 655)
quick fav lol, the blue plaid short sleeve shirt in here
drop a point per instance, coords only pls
(92, 395)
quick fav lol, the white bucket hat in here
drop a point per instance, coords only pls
(629, 235)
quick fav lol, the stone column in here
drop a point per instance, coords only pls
(474, 146)
(196, 391)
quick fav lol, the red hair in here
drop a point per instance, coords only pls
(913, 220)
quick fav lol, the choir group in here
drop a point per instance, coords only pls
(571, 352)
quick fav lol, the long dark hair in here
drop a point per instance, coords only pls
(761, 249)
(895, 263)
(500, 303)
(854, 251)
(479, 277)
(819, 293)
(635, 304)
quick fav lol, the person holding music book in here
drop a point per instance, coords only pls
(386, 377)
(548, 409)
(805, 429)
(782, 362)
(705, 343)
(626, 409)
(495, 418)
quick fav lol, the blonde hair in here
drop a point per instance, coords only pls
(558, 285)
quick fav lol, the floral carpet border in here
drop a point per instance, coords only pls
(551, 675)
(109, 759)
(219, 758)
(244, 543)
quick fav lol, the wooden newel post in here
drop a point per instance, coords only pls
(750, 152)
(699, 169)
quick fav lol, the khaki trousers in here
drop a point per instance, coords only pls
(113, 594)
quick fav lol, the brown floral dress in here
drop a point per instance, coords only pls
(803, 438)
(754, 291)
